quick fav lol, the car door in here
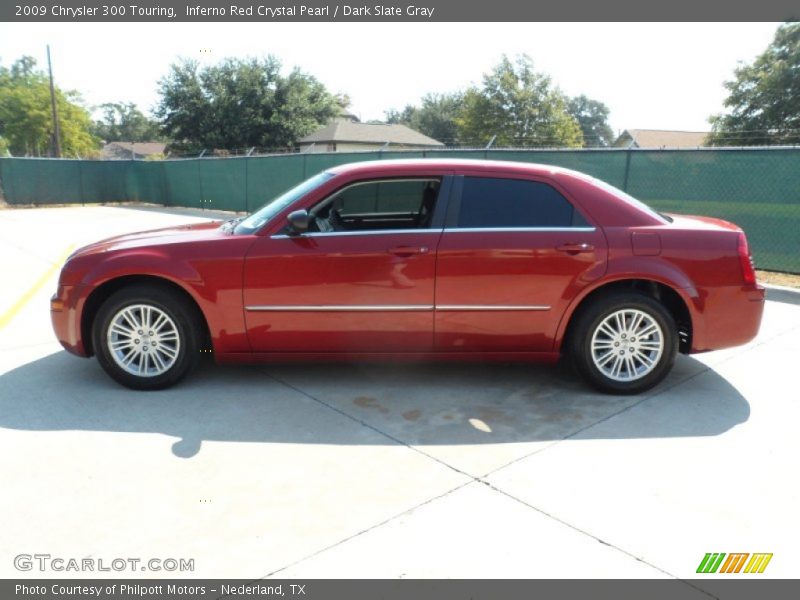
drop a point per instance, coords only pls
(362, 280)
(513, 253)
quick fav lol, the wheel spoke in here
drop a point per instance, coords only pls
(130, 319)
(121, 330)
(158, 362)
(128, 358)
(617, 367)
(603, 344)
(169, 352)
(650, 344)
(159, 323)
(619, 318)
(637, 319)
(605, 358)
(650, 329)
(631, 368)
(143, 363)
(607, 330)
(120, 344)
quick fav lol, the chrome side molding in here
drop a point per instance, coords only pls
(392, 307)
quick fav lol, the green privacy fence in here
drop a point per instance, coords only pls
(759, 189)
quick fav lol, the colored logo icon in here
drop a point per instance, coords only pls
(713, 562)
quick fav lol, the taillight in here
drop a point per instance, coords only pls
(748, 270)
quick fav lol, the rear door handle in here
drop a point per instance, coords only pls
(408, 250)
(575, 248)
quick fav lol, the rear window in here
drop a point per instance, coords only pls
(509, 203)
(629, 199)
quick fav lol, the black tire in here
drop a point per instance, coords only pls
(636, 373)
(177, 358)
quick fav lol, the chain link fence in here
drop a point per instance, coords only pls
(756, 188)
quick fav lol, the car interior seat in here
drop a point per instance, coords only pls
(426, 208)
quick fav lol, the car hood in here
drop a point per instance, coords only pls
(155, 237)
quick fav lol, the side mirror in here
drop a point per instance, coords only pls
(299, 221)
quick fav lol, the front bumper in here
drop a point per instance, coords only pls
(65, 315)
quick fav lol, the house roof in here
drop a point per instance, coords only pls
(661, 138)
(123, 149)
(368, 133)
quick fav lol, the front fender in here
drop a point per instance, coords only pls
(150, 262)
(214, 283)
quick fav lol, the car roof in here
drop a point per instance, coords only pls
(454, 164)
(617, 210)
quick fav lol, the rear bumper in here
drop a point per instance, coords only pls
(729, 316)
(65, 317)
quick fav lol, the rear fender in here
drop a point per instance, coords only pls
(634, 268)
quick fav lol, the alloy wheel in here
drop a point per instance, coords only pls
(143, 340)
(627, 345)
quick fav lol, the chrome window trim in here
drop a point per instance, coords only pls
(378, 179)
(281, 236)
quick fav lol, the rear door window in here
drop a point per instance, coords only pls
(493, 202)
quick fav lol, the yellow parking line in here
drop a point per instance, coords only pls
(5, 319)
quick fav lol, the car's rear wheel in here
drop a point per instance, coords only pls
(146, 337)
(624, 343)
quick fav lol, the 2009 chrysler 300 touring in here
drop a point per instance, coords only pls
(419, 259)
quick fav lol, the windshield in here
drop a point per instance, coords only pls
(257, 220)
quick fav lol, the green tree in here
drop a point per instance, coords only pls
(520, 107)
(764, 97)
(241, 103)
(122, 121)
(592, 116)
(25, 114)
(437, 117)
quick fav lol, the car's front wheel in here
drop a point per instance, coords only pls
(146, 337)
(624, 343)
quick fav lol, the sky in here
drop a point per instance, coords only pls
(650, 75)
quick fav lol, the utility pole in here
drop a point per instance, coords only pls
(56, 129)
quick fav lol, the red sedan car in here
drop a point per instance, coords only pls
(418, 259)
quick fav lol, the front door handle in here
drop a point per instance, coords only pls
(575, 248)
(408, 250)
